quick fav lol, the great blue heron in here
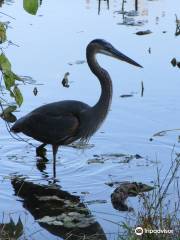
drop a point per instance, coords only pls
(61, 123)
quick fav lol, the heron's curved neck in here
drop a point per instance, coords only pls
(102, 106)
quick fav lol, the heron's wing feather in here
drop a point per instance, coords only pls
(51, 129)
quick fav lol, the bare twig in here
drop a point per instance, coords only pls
(7, 15)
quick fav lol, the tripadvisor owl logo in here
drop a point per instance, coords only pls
(139, 231)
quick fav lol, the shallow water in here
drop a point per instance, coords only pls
(58, 35)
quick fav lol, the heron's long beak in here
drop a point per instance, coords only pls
(118, 55)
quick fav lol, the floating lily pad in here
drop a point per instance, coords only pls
(68, 220)
(81, 145)
(132, 22)
(96, 160)
(115, 157)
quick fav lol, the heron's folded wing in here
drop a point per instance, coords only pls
(51, 129)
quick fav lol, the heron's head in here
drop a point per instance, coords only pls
(101, 46)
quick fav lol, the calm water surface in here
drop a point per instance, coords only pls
(58, 35)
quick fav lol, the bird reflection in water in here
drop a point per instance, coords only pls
(1, 3)
(99, 5)
(136, 5)
(59, 212)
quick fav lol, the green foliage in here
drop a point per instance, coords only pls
(5, 65)
(17, 95)
(11, 230)
(10, 79)
(157, 212)
(3, 37)
(31, 6)
(7, 114)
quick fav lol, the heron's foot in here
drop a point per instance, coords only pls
(53, 180)
(41, 152)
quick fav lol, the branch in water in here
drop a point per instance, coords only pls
(162, 133)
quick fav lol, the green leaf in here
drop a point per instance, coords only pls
(19, 229)
(11, 93)
(18, 96)
(9, 117)
(9, 109)
(31, 6)
(11, 230)
(5, 65)
(9, 79)
(3, 37)
(18, 78)
(7, 114)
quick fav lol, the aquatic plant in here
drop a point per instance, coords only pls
(159, 215)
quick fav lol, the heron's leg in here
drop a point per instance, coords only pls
(41, 151)
(55, 149)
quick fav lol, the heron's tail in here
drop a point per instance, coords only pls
(16, 128)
